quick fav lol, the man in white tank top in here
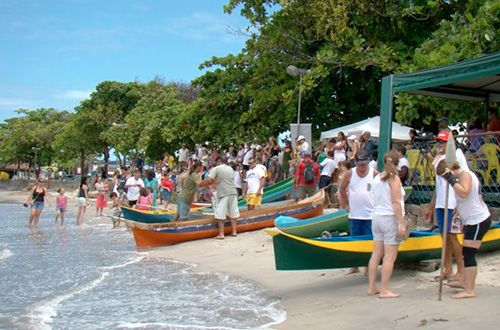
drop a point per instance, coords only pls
(359, 201)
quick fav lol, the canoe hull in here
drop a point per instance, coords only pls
(295, 253)
(148, 217)
(313, 227)
(251, 220)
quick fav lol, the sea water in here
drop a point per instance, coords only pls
(92, 277)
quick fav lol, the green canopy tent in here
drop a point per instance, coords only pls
(472, 80)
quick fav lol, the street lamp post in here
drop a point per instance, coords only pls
(294, 71)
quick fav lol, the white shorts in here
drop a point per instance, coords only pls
(385, 228)
(82, 201)
(227, 206)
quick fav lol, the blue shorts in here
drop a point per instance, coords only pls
(166, 195)
(440, 219)
(37, 205)
(182, 209)
(360, 227)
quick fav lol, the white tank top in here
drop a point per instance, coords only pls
(382, 198)
(472, 209)
(360, 196)
(339, 153)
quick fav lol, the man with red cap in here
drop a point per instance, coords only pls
(437, 204)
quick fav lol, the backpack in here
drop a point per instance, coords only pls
(309, 172)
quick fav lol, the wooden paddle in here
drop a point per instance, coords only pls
(450, 156)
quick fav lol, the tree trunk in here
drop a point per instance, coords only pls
(106, 163)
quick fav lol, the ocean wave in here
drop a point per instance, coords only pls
(140, 325)
(5, 253)
(41, 315)
(127, 263)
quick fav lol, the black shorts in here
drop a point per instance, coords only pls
(132, 203)
(477, 232)
(324, 181)
(245, 167)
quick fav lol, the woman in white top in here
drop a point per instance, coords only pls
(340, 148)
(475, 217)
(387, 225)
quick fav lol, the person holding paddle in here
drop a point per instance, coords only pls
(37, 198)
(475, 217)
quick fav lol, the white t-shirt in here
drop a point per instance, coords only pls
(441, 183)
(246, 157)
(304, 146)
(253, 180)
(403, 162)
(237, 179)
(327, 166)
(183, 154)
(133, 189)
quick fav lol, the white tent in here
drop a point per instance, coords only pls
(399, 132)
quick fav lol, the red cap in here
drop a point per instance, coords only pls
(443, 136)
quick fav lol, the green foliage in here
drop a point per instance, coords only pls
(465, 35)
(33, 129)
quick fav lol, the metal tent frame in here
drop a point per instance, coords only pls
(477, 79)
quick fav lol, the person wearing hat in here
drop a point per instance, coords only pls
(359, 202)
(437, 206)
(302, 144)
(303, 183)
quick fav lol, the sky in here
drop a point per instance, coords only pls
(53, 53)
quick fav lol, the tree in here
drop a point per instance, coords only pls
(464, 36)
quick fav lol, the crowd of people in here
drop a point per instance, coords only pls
(345, 167)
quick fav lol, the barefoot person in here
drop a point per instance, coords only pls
(82, 200)
(453, 247)
(227, 197)
(388, 225)
(475, 217)
(61, 205)
(358, 182)
(37, 198)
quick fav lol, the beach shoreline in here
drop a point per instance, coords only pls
(329, 298)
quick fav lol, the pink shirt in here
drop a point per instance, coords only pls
(61, 202)
(143, 203)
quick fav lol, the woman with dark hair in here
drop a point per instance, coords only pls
(152, 183)
(388, 225)
(339, 149)
(476, 219)
(82, 200)
(288, 154)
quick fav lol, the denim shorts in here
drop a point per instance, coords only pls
(360, 227)
(166, 195)
(37, 205)
(440, 219)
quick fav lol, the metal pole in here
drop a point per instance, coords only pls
(300, 99)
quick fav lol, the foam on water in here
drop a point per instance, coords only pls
(42, 314)
(92, 277)
(5, 253)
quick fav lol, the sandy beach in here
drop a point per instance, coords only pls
(329, 299)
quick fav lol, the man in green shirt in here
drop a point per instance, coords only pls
(188, 188)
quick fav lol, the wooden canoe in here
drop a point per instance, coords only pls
(297, 253)
(272, 193)
(313, 227)
(183, 231)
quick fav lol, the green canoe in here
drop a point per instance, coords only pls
(298, 253)
(313, 227)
